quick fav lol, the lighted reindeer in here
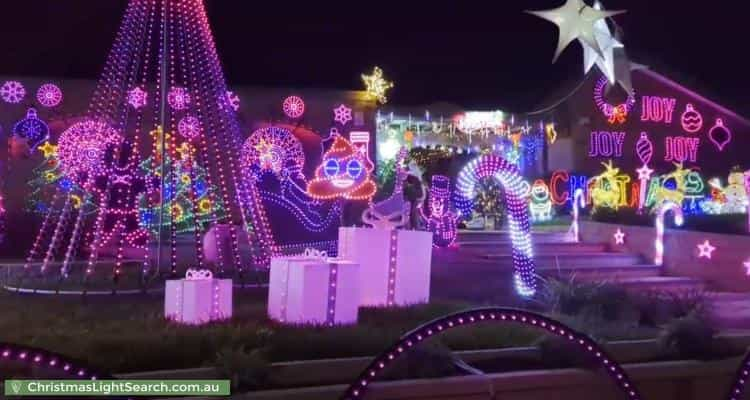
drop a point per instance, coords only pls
(676, 194)
(608, 188)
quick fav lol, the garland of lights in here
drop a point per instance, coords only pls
(38, 358)
(739, 386)
(518, 212)
(615, 114)
(408, 341)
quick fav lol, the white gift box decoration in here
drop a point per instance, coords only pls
(313, 289)
(395, 265)
(198, 298)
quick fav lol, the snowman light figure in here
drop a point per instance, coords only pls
(540, 204)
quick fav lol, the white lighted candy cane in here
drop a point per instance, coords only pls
(678, 219)
(578, 201)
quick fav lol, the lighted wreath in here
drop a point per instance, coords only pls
(615, 114)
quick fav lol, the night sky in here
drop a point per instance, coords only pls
(479, 54)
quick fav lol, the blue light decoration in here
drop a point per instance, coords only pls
(65, 184)
(578, 182)
(331, 167)
(354, 168)
(32, 129)
(509, 176)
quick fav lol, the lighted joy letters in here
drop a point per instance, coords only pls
(657, 109)
(680, 149)
(606, 144)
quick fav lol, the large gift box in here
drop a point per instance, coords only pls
(313, 289)
(198, 298)
(394, 264)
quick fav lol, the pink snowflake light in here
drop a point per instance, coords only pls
(294, 107)
(49, 95)
(137, 97)
(178, 98)
(12, 92)
(342, 114)
(189, 127)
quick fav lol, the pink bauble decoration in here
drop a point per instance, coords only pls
(12, 92)
(644, 148)
(82, 147)
(720, 135)
(294, 107)
(178, 98)
(49, 95)
(189, 127)
(137, 97)
(692, 120)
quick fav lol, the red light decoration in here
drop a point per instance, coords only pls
(615, 114)
(344, 173)
(557, 198)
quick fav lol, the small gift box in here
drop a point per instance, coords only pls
(198, 298)
(395, 265)
(313, 289)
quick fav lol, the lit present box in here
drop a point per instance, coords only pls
(394, 264)
(313, 289)
(198, 298)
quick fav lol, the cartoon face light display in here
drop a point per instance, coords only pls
(540, 204)
(344, 173)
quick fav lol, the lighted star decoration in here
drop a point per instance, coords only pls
(376, 85)
(607, 43)
(706, 250)
(644, 172)
(619, 236)
(48, 149)
(342, 114)
(746, 264)
(576, 20)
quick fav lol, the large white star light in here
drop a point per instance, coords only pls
(604, 60)
(576, 20)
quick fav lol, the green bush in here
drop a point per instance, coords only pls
(690, 337)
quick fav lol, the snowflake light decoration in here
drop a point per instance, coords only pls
(83, 146)
(274, 149)
(49, 95)
(189, 127)
(232, 100)
(178, 98)
(342, 114)
(32, 129)
(294, 107)
(12, 92)
(376, 85)
(137, 97)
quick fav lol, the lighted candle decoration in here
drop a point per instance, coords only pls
(662, 211)
(644, 148)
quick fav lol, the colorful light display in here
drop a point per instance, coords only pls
(31, 129)
(606, 144)
(540, 203)
(12, 92)
(491, 166)
(376, 85)
(274, 149)
(720, 135)
(661, 213)
(681, 149)
(393, 212)
(615, 114)
(344, 173)
(554, 191)
(178, 98)
(342, 114)
(82, 149)
(441, 220)
(412, 339)
(294, 107)
(189, 127)
(49, 95)
(657, 109)
(691, 119)
(609, 188)
(137, 97)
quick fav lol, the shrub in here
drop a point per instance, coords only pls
(247, 370)
(690, 337)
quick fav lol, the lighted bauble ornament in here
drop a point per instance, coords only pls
(644, 148)
(82, 148)
(720, 135)
(692, 120)
(189, 127)
(294, 107)
(49, 95)
(31, 128)
(178, 98)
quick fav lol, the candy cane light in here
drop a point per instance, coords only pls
(579, 201)
(678, 219)
(493, 166)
